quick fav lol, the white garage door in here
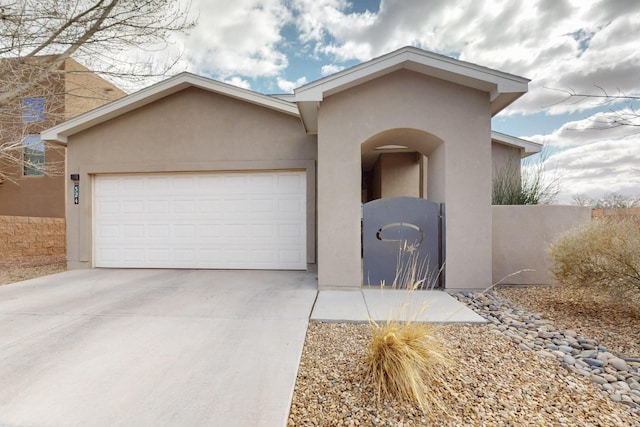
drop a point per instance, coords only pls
(209, 220)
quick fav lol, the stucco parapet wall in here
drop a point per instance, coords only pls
(521, 236)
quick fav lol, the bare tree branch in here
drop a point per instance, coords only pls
(616, 117)
(39, 38)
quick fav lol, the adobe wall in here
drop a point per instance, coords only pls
(30, 241)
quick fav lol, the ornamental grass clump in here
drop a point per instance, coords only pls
(406, 361)
(604, 253)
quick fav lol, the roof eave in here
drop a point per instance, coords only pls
(61, 132)
(527, 147)
(503, 88)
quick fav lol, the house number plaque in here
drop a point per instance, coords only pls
(76, 193)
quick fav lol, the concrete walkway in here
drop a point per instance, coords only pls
(387, 304)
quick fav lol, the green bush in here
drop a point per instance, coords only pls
(603, 253)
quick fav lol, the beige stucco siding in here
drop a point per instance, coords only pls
(400, 173)
(67, 94)
(35, 196)
(504, 157)
(521, 238)
(192, 130)
(84, 90)
(458, 170)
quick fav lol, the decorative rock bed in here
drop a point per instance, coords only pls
(616, 374)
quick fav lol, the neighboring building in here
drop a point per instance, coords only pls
(66, 93)
(194, 173)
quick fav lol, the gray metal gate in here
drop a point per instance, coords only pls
(402, 241)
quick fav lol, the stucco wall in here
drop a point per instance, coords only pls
(191, 131)
(504, 156)
(459, 170)
(76, 91)
(85, 90)
(521, 235)
(36, 196)
(400, 175)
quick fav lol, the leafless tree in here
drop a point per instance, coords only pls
(608, 201)
(42, 42)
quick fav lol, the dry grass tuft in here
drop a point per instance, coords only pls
(406, 361)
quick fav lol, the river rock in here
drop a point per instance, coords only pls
(566, 349)
(594, 362)
(618, 363)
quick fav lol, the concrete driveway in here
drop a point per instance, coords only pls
(152, 347)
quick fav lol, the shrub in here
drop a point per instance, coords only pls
(534, 185)
(603, 253)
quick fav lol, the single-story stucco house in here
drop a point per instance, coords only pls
(194, 173)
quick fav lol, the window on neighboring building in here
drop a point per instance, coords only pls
(32, 155)
(32, 110)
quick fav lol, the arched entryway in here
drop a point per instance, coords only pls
(402, 232)
(403, 162)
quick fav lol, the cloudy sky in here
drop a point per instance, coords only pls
(563, 46)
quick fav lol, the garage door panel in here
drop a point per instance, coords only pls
(223, 220)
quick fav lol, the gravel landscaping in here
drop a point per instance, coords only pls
(521, 369)
(12, 274)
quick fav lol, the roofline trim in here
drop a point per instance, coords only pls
(314, 91)
(145, 96)
(528, 147)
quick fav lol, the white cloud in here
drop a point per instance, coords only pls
(238, 81)
(599, 168)
(594, 161)
(595, 128)
(560, 44)
(288, 86)
(237, 38)
(331, 69)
